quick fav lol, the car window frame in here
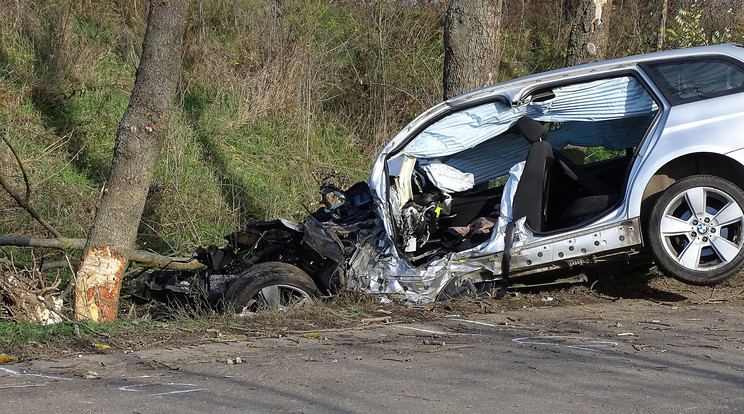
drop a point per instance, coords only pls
(656, 95)
(642, 77)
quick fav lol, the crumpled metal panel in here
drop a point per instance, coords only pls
(376, 268)
(322, 240)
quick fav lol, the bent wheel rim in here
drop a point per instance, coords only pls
(278, 297)
(701, 229)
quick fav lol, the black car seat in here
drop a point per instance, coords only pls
(531, 197)
(601, 195)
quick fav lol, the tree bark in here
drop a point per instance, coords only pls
(139, 139)
(590, 32)
(662, 26)
(471, 45)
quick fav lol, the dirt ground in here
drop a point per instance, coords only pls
(351, 309)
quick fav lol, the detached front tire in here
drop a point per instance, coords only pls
(270, 286)
(696, 230)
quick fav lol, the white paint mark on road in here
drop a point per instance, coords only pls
(505, 325)
(137, 388)
(573, 342)
(176, 392)
(422, 330)
(429, 331)
(28, 374)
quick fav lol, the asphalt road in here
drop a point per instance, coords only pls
(630, 356)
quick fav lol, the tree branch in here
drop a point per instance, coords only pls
(144, 258)
(61, 243)
(24, 202)
(20, 164)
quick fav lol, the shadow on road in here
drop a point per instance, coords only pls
(647, 284)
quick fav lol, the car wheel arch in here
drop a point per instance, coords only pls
(717, 165)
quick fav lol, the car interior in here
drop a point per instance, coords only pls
(571, 168)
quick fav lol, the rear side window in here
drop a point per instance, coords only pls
(690, 80)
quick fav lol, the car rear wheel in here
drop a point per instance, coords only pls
(270, 286)
(696, 230)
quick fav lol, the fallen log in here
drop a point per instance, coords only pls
(144, 258)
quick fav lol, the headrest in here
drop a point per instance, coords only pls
(532, 130)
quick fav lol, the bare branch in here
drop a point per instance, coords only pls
(144, 258)
(46, 265)
(150, 259)
(60, 243)
(20, 164)
(24, 203)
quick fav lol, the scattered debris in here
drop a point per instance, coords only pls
(656, 322)
(383, 319)
(92, 375)
(4, 359)
(156, 364)
(236, 361)
(572, 342)
(26, 296)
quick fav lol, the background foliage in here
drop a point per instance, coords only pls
(271, 93)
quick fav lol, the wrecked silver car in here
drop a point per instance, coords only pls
(627, 162)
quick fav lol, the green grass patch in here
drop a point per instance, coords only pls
(16, 334)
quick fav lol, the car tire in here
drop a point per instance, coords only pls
(270, 286)
(695, 230)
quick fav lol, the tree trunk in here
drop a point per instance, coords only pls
(471, 45)
(590, 32)
(662, 26)
(139, 139)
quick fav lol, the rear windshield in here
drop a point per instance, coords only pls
(690, 80)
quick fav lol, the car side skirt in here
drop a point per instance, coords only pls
(604, 243)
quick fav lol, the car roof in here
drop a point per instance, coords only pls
(513, 89)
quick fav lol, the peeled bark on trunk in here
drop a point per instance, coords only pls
(590, 32)
(139, 139)
(471, 45)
